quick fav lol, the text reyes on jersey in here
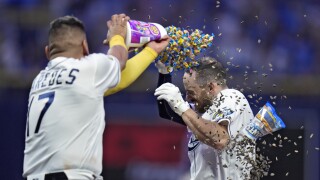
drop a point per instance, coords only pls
(55, 77)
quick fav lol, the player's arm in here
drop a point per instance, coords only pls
(139, 63)
(209, 132)
(163, 107)
(115, 37)
(134, 68)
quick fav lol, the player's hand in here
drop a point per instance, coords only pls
(160, 45)
(117, 26)
(172, 95)
(162, 68)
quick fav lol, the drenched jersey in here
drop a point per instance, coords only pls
(65, 120)
(207, 163)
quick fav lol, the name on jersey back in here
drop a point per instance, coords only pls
(55, 77)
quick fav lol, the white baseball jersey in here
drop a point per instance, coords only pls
(66, 117)
(208, 163)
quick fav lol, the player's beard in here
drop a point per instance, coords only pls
(203, 103)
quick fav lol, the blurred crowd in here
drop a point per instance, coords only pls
(247, 32)
(274, 36)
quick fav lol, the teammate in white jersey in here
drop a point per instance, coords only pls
(218, 116)
(65, 120)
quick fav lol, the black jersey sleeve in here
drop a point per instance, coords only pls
(164, 109)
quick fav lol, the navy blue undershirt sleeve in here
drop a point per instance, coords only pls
(164, 109)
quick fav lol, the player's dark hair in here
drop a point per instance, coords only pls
(210, 70)
(60, 25)
(65, 33)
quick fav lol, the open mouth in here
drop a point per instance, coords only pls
(190, 97)
(192, 100)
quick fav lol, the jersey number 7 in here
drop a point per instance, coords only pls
(50, 97)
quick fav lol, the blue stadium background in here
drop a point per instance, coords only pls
(271, 48)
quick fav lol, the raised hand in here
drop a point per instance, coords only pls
(117, 26)
(162, 68)
(172, 95)
(159, 45)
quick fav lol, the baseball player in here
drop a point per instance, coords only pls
(214, 115)
(65, 120)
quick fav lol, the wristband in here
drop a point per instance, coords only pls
(117, 40)
(181, 107)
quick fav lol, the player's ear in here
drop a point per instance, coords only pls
(46, 50)
(212, 86)
(85, 47)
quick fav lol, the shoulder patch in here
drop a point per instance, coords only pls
(223, 113)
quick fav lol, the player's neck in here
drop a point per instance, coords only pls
(67, 55)
(219, 89)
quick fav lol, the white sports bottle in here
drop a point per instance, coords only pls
(140, 33)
